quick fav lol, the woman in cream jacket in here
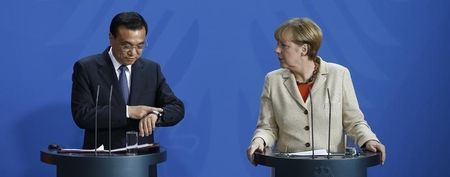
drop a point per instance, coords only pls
(285, 108)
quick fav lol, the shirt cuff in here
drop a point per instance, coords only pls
(128, 116)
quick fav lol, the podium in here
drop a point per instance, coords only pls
(104, 165)
(304, 166)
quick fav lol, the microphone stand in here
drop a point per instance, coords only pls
(109, 117)
(96, 115)
(312, 123)
(329, 122)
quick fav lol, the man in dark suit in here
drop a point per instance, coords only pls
(141, 99)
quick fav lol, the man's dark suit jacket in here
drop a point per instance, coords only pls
(148, 87)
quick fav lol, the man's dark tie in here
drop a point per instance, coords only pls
(123, 81)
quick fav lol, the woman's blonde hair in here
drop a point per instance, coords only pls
(301, 31)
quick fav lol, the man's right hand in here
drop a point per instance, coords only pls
(256, 145)
(139, 112)
(147, 125)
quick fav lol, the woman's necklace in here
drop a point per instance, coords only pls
(313, 76)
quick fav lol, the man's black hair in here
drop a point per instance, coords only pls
(130, 20)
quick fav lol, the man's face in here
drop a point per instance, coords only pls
(127, 45)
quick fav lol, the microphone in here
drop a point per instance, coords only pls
(329, 122)
(312, 122)
(96, 115)
(109, 118)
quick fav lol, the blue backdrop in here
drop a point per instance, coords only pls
(215, 55)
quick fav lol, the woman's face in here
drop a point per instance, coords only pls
(288, 53)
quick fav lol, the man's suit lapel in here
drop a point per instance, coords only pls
(108, 75)
(290, 84)
(137, 83)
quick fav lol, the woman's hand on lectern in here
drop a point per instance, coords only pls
(256, 145)
(376, 146)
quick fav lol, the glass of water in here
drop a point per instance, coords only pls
(131, 142)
